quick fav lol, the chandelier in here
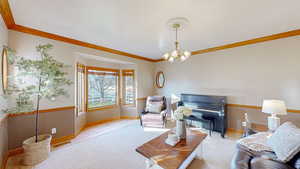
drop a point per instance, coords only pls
(177, 54)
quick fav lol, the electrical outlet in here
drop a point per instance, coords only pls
(53, 131)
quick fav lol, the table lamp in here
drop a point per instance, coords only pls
(274, 107)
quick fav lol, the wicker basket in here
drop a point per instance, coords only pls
(35, 153)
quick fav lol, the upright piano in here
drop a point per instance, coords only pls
(207, 107)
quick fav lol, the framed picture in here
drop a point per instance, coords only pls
(160, 79)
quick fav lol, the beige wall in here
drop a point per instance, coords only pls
(69, 54)
(236, 115)
(3, 138)
(99, 115)
(80, 122)
(3, 102)
(247, 75)
(22, 127)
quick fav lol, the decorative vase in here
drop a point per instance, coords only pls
(181, 129)
(36, 152)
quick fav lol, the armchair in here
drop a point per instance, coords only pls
(155, 112)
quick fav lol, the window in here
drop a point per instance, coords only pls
(102, 87)
(80, 88)
(128, 87)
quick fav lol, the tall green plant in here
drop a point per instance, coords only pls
(41, 78)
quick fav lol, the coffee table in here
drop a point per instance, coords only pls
(163, 156)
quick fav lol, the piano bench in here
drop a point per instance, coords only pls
(203, 119)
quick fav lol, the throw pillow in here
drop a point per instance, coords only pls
(285, 141)
(154, 107)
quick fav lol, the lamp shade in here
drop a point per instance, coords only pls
(274, 107)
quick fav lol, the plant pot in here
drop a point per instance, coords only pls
(36, 152)
(181, 129)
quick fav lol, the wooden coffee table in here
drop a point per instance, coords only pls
(163, 156)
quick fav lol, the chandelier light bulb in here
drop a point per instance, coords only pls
(166, 56)
(182, 58)
(177, 54)
(187, 53)
(171, 59)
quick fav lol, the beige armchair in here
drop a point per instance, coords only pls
(155, 112)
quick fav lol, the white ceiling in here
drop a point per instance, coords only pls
(104, 59)
(139, 26)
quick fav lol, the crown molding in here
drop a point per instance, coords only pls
(36, 32)
(6, 14)
(246, 42)
(249, 42)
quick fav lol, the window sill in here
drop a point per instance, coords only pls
(102, 108)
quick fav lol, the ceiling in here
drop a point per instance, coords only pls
(139, 26)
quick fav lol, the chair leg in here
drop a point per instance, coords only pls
(211, 127)
(141, 121)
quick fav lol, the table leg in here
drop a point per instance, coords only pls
(188, 161)
(149, 163)
(200, 154)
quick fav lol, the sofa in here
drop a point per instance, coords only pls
(244, 158)
(269, 150)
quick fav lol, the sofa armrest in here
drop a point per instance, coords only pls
(264, 163)
(241, 160)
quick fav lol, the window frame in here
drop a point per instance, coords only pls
(80, 67)
(124, 74)
(117, 71)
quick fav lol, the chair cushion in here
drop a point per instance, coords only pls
(152, 120)
(285, 141)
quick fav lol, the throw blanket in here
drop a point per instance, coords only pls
(256, 142)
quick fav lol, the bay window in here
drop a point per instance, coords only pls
(80, 88)
(102, 87)
(128, 87)
(99, 88)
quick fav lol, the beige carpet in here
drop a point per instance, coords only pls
(116, 150)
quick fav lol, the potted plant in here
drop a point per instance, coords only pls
(179, 115)
(35, 80)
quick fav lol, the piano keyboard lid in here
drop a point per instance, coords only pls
(201, 107)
